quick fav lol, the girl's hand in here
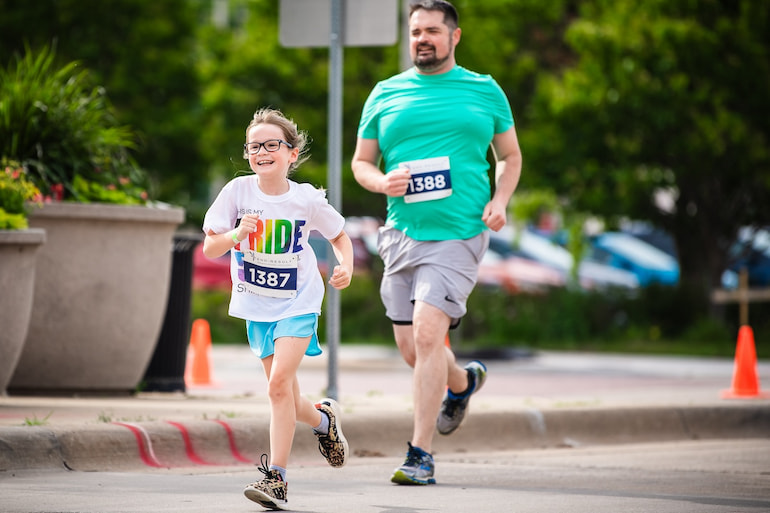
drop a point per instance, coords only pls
(248, 225)
(341, 277)
(343, 251)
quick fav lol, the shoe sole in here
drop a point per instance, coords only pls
(263, 499)
(335, 407)
(401, 478)
(484, 372)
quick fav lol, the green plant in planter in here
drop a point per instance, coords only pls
(63, 130)
(16, 193)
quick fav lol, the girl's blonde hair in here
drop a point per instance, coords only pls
(291, 134)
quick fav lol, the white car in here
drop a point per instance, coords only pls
(591, 275)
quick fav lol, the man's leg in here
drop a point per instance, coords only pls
(462, 382)
(457, 379)
(422, 346)
(430, 371)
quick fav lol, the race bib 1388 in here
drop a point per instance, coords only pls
(430, 179)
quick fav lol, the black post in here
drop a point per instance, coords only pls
(165, 373)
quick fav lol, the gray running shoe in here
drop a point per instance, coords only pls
(333, 446)
(270, 492)
(453, 408)
(417, 469)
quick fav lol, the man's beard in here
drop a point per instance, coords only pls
(431, 62)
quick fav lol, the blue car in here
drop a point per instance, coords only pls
(751, 251)
(592, 275)
(624, 251)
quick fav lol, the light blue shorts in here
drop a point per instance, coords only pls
(262, 335)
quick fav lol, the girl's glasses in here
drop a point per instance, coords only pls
(270, 145)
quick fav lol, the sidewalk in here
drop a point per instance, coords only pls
(549, 399)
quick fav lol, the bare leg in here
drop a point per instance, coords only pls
(422, 346)
(306, 410)
(457, 377)
(287, 406)
(457, 380)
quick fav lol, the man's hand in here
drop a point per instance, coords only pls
(494, 216)
(396, 182)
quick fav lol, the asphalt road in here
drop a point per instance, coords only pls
(700, 476)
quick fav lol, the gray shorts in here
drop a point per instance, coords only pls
(440, 273)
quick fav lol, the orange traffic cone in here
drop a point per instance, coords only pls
(745, 379)
(200, 344)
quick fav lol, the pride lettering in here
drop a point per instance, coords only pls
(274, 236)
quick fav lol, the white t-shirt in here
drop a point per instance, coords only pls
(274, 272)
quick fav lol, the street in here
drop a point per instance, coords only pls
(671, 477)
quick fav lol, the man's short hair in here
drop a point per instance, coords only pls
(451, 19)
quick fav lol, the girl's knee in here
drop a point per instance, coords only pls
(279, 388)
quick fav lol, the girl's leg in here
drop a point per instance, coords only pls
(306, 410)
(283, 391)
(326, 426)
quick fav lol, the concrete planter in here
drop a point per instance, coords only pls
(101, 289)
(18, 251)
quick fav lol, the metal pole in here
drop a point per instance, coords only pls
(334, 189)
(743, 286)
(405, 58)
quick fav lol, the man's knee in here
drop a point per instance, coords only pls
(405, 342)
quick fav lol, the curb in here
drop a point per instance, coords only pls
(167, 444)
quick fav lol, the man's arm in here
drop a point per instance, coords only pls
(507, 174)
(370, 177)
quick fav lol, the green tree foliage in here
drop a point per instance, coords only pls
(665, 97)
(517, 42)
(244, 67)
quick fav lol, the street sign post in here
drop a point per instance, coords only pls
(336, 23)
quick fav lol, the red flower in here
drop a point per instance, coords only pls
(57, 191)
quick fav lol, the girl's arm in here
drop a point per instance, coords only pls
(343, 250)
(217, 244)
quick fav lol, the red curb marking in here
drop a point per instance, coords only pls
(191, 455)
(145, 454)
(144, 444)
(233, 448)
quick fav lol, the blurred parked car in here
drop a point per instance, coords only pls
(210, 273)
(751, 251)
(651, 235)
(501, 267)
(591, 275)
(624, 251)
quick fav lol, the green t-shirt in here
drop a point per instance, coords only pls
(454, 115)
